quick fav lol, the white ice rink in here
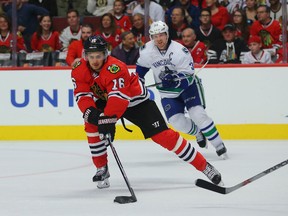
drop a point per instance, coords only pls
(42, 178)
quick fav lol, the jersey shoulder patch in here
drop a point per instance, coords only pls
(76, 64)
(185, 50)
(114, 68)
(142, 47)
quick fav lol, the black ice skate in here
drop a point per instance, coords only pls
(102, 177)
(201, 140)
(222, 152)
(213, 174)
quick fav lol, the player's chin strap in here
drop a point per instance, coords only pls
(123, 123)
(181, 78)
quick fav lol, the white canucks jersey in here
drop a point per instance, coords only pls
(177, 58)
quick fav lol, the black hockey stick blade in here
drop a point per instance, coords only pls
(125, 199)
(210, 186)
(225, 190)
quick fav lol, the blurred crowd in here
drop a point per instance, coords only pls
(217, 31)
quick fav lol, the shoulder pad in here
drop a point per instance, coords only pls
(114, 68)
(76, 64)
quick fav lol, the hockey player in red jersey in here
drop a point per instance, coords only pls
(105, 91)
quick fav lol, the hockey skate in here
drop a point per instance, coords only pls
(213, 174)
(201, 140)
(102, 177)
(222, 152)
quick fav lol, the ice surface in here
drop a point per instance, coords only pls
(54, 178)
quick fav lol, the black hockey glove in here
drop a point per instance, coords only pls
(169, 82)
(106, 127)
(91, 115)
(178, 80)
(100, 104)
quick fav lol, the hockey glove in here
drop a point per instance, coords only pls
(91, 115)
(175, 81)
(100, 104)
(106, 127)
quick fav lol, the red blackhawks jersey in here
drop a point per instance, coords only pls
(123, 23)
(270, 34)
(113, 40)
(52, 43)
(6, 43)
(114, 83)
(198, 52)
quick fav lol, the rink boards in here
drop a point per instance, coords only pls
(245, 102)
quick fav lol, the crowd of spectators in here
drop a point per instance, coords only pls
(220, 31)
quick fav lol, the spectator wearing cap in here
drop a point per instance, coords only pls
(127, 51)
(256, 53)
(229, 49)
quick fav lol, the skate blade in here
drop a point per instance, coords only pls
(103, 184)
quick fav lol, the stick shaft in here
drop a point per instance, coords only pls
(225, 190)
(121, 168)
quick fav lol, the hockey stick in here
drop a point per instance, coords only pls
(181, 78)
(122, 199)
(225, 190)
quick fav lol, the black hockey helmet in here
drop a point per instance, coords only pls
(95, 43)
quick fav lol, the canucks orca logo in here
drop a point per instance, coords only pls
(114, 69)
(166, 71)
(185, 50)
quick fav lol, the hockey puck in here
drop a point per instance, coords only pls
(125, 199)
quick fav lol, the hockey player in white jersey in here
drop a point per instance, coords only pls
(173, 67)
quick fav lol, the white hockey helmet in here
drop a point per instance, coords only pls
(157, 28)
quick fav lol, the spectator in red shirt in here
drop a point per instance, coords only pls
(220, 16)
(138, 29)
(197, 48)
(45, 39)
(76, 48)
(108, 30)
(268, 29)
(6, 36)
(122, 21)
